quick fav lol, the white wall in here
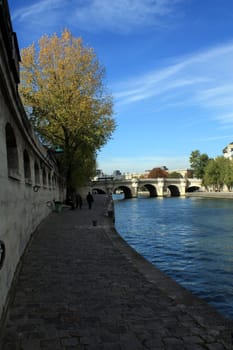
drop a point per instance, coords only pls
(21, 208)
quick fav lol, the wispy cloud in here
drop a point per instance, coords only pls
(203, 79)
(218, 96)
(225, 119)
(216, 138)
(38, 9)
(120, 15)
(124, 15)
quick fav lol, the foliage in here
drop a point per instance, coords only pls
(83, 170)
(198, 163)
(156, 173)
(189, 174)
(62, 88)
(175, 175)
(219, 172)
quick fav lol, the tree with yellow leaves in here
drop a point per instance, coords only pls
(157, 172)
(62, 89)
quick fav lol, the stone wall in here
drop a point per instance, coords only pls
(29, 178)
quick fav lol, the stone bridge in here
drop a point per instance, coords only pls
(160, 187)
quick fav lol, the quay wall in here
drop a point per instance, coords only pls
(215, 195)
(29, 177)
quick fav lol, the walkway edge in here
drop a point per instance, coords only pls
(12, 290)
(184, 298)
(213, 195)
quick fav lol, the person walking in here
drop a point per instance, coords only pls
(90, 200)
(79, 201)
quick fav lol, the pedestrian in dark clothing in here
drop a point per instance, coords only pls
(72, 199)
(79, 201)
(90, 200)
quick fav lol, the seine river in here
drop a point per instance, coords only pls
(190, 239)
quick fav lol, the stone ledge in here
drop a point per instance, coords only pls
(184, 298)
(215, 195)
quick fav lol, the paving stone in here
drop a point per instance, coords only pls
(31, 344)
(50, 344)
(194, 347)
(173, 342)
(71, 341)
(10, 346)
(192, 340)
(94, 347)
(111, 346)
(156, 343)
(130, 341)
(215, 346)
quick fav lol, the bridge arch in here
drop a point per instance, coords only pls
(151, 189)
(127, 191)
(98, 190)
(174, 190)
(193, 188)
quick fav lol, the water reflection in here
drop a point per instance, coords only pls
(189, 239)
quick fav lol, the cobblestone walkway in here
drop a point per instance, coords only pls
(81, 288)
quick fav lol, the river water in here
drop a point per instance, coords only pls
(190, 239)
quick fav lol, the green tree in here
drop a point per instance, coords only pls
(63, 90)
(228, 177)
(189, 174)
(175, 175)
(198, 163)
(212, 175)
(219, 172)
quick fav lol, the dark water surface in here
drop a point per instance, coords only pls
(190, 239)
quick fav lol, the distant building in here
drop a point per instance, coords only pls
(116, 173)
(129, 176)
(228, 151)
(99, 172)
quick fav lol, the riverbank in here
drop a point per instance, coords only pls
(215, 195)
(82, 287)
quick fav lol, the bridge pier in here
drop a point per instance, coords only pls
(182, 187)
(160, 188)
(135, 188)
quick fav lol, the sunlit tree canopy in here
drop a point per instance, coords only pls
(198, 163)
(157, 172)
(63, 91)
(219, 172)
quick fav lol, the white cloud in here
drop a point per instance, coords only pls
(123, 15)
(225, 119)
(216, 138)
(204, 79)
(120, 15)
(218, 96)
(38, 9)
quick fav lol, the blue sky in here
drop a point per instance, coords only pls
(169, 67)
